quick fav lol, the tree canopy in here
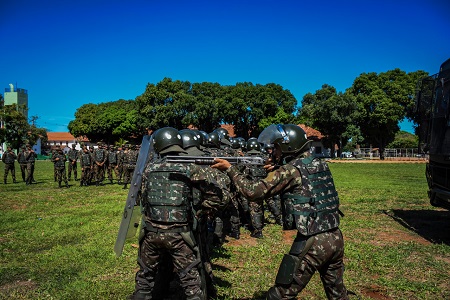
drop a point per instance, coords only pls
(367, 113)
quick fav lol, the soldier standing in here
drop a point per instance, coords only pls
(112, 164)
(31, 159)
(307, 182)
(59, 160)
(100, 158)
(129, 164)
(72, 156)
(22, 159)
(86, 165)
(168, 215)
(8, 159)
(120, 154)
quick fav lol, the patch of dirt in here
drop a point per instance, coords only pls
(17, 286)
(391, 235)
(245, 240)
(374, 292)
(289, 236)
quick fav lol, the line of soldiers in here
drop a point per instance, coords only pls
(97, 164)
(26, 159)
(185, 204)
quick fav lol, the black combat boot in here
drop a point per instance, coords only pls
(59, 184)
(14, 180)
(235, 234)
(125, 187)
(257, 234)
(81, 183)
(67, 184)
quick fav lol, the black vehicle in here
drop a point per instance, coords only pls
(433, 111)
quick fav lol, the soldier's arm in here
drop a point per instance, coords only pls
(275, 182)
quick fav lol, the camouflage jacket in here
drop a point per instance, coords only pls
(22, 158)
(9, 157)
(292, 182)
(214, 195)
(72, 155)
(59, 159)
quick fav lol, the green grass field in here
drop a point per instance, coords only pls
(58, 243)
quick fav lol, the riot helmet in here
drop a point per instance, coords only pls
(223, 133)
(167, 139)
(199, 135)
(235, 143)
(213, 140)
(253, 144)
(190, 139)
(290, 138)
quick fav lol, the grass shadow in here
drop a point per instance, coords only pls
(432, 225)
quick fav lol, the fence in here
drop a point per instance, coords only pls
(391, 153)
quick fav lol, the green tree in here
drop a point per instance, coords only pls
(332, 114)
(404, 139)
(16, 127)
(383, 100)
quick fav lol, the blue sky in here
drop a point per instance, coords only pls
(69, 53)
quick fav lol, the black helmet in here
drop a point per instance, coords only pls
(289, 137)
(253, 144)
(213, 140)
(223, 133)
(235, 143)
(167, 139)
(199, 135)
(189, 138)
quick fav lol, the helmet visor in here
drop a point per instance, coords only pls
(272, 133)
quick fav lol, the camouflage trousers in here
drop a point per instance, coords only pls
(152, 251)
(325, 256)
(23, 171)
(61, 174)
(10, 168)
(30, 172)
(98, 173)
(85, 175)
(128, 173)
(72, 167)
(112, 168)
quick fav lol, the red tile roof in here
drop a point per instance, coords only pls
(60, 136)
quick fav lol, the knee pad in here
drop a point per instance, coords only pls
(287, 269)
(273, 294)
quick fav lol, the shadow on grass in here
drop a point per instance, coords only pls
(432, 225)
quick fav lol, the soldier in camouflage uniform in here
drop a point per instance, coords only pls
(120, 154)
(255, 209)
(307, 182)
(72, 156)
(31, 159)
(112, 164)
(100, 157)
(59, 160)
(8, 159)
(129, 164)
(169, 217)
(22, 159)
(86, 165)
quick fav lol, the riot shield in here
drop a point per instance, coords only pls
(131, 213)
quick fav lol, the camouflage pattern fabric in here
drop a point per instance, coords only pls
(85, 163)
(325, 256)
(8, 158)
(326, 253)
(169, 238)
(31, 158)
(72, 156)
(22, 159)
(59, 160)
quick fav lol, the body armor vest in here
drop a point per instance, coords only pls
(315, 204)
(61, 162)
(72, 155)
(9, 158)
(112, 157)
(99, 155)
(31, 157)
(169, 193)
(86, 159)
(22, 158)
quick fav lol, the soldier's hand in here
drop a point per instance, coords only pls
(221, 164)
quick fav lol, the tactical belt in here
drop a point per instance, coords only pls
(151, 228)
